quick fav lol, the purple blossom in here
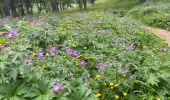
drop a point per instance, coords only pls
(126, 71)
(30, 20)
(53, 51)
(100, 66)
(56, 87)
(75, 53)
(11, 33)
(43, 19)
(35, 21)
(2, 46)
(82, 62)
(130, 47)
(40, 54)
(69, 51)
(123, 70)
(28, 60)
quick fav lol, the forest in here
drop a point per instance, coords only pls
(22, 7)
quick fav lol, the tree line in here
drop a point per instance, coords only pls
(22, 7)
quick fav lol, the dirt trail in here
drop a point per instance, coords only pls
(164, 34)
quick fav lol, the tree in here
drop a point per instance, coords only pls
(29, 6)
(80, 4)
(13, 8)
(1, 8)
(85, 4)
(6, 7)
(22, 7)
(92, 2)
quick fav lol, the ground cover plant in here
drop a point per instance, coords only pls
(90, 55)
(155, 13)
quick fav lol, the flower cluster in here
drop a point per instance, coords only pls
(72, 52)
(11, 33)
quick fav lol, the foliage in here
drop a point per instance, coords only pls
(92, 55)
(153, 13)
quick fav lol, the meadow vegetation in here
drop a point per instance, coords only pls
(84, 55)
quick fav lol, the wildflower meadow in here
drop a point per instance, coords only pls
(82, 55)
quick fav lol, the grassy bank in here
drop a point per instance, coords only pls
(154, 13)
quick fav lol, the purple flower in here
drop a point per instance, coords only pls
(56, 87)
(69, 51)
(2, 46)
(40, 54)
(28, 60)
(123, 70)
(75, 53)
(82, 62)
(100, 66)
(11, 33)
(53, 51)
(35, 21)
(11, 30)
(43, 19)
(130, 47)
(30, 20)
(126, 71)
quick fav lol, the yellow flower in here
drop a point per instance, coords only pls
(158, 98)
(69, 40)
(34, 53)
(104, 83)
(124, 75)
(157, 49)
(116, 97)
(116, 85)
(97, 76)
(112, 87)
(65, 56)
(85, 48)
(111, 84)
(77, 63)
(73, 45)
(125, 94)
(90, 57)
(98, 95)
(88, 75)
(78, 56)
